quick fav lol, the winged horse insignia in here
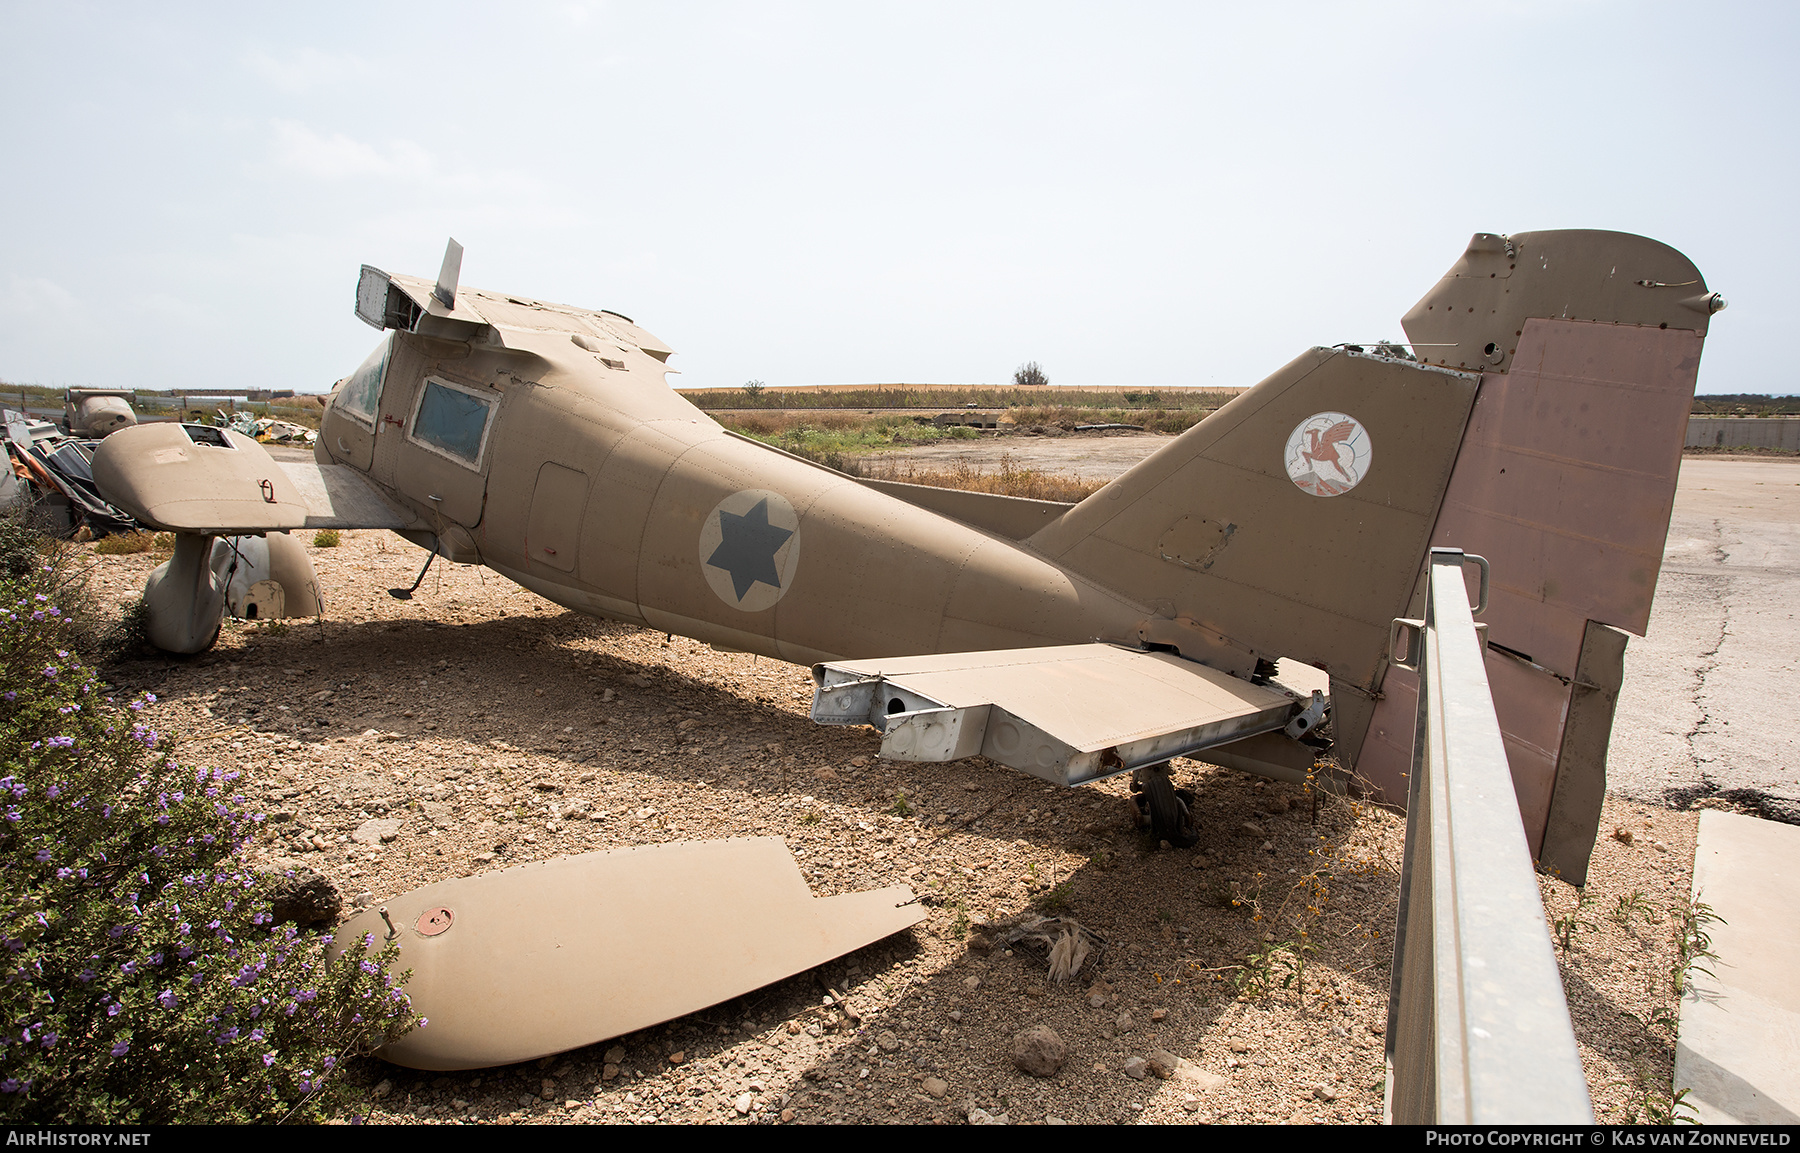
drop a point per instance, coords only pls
(1328, 454)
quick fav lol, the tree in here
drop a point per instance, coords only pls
(1030, 375)
(754, 388)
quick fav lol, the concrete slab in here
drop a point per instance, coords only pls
(1738, 1049)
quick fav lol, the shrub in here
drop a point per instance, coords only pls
(326, 538)
(121, 543)
(142, 979)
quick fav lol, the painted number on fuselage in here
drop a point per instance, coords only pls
(749, 547)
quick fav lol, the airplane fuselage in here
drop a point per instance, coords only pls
(602, 490)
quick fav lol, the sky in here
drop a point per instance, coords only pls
(1181, 194)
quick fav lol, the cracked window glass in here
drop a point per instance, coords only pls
(363, 388)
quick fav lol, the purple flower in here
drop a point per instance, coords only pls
(112, 1010)
(60, 742)
(43, 855)
(50, 671)
(120, 1049)
(11, 1086)
(167, 999)
(268, 1059)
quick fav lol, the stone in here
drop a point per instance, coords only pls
(305, 899)
(1136, 1068)
(1163, 1063)
(971, 983)
(743, 1103)
(1254, 829)
(1039, 1051)
(376, 832)
(936, 1086)
(1123, 1023)
(677, 1057)
(887, 1041)
(1325, 1092)
(609, 1071)
(615, 1055)
(1201, 1079)
(983, 1117)
(1239, 1045)
(1159, 1014)
(788, 1115)
(383, 1088)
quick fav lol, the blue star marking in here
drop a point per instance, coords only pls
(747, 550)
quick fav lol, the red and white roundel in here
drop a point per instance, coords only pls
(1328, 454)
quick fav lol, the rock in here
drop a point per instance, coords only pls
(376, 832)
(971, 983)
(610, 1071)
(677, 1057)
(1051, 1119)
(1623, 835)
(887, 1041)
(787, 1115)
(615, 1055)
(383, 1089)
(936, 1086)
(1136, 1068)
(1164, 1063)
(1325, 1092)
(1159, 1014)
(983, 1117)
(1123, 1023)
(306, 899)
(743, 1103)
(1239, 1045)
(1039, 1051)
(1254, 829)
(1192, 1074)
(1096, 1000)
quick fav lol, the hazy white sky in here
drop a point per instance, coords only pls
(1150, 194)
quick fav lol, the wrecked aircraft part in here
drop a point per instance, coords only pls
(183, 602)
(545, 957)
(1069, 714)
(190, 478)
(1290, 525)
(266, 577)
(54, 474)
(94, 413)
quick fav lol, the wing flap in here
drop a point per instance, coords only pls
(1068, 714)
(337, 496)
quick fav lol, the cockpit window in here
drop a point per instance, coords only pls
(362, 391)
(453, 420)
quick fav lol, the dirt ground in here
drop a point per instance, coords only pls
(501, 729)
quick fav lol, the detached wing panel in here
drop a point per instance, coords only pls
(1069, 713)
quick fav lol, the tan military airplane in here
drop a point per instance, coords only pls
(1537, 421)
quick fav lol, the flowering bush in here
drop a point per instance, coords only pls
(142, 978)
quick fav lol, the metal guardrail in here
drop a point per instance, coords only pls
(1478, 1027)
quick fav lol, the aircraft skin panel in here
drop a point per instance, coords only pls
(549, 956)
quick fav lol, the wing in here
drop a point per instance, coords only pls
(218, 482)
(1338, 433)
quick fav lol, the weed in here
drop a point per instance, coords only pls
(809, 817)
(326, 538)
(959, 928)
(1565, 927)
(125, 543)
(1633, 905)
(275, 629)
(1057, 900)
(1693, 944)
(900, 808)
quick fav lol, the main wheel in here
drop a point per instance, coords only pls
(1169, 816)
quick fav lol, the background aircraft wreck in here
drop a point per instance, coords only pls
(1537, 421)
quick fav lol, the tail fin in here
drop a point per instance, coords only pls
(1294, 521)
(1290, 523)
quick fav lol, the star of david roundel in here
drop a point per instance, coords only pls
(749, 547)
(1328, 454)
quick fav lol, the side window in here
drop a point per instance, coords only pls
(362, 391)
(452, 420)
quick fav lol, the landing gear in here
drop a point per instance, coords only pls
(1167, 807)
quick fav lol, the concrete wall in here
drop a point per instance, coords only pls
(1744, 431)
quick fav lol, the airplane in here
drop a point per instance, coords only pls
(1230, 598)
(1535, 417)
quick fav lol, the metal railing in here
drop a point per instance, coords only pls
(1478, 1027)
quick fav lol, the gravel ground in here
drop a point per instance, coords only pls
(498, 728)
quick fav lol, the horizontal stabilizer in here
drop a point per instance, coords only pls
(1068, 714)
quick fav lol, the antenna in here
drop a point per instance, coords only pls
(445, 291)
